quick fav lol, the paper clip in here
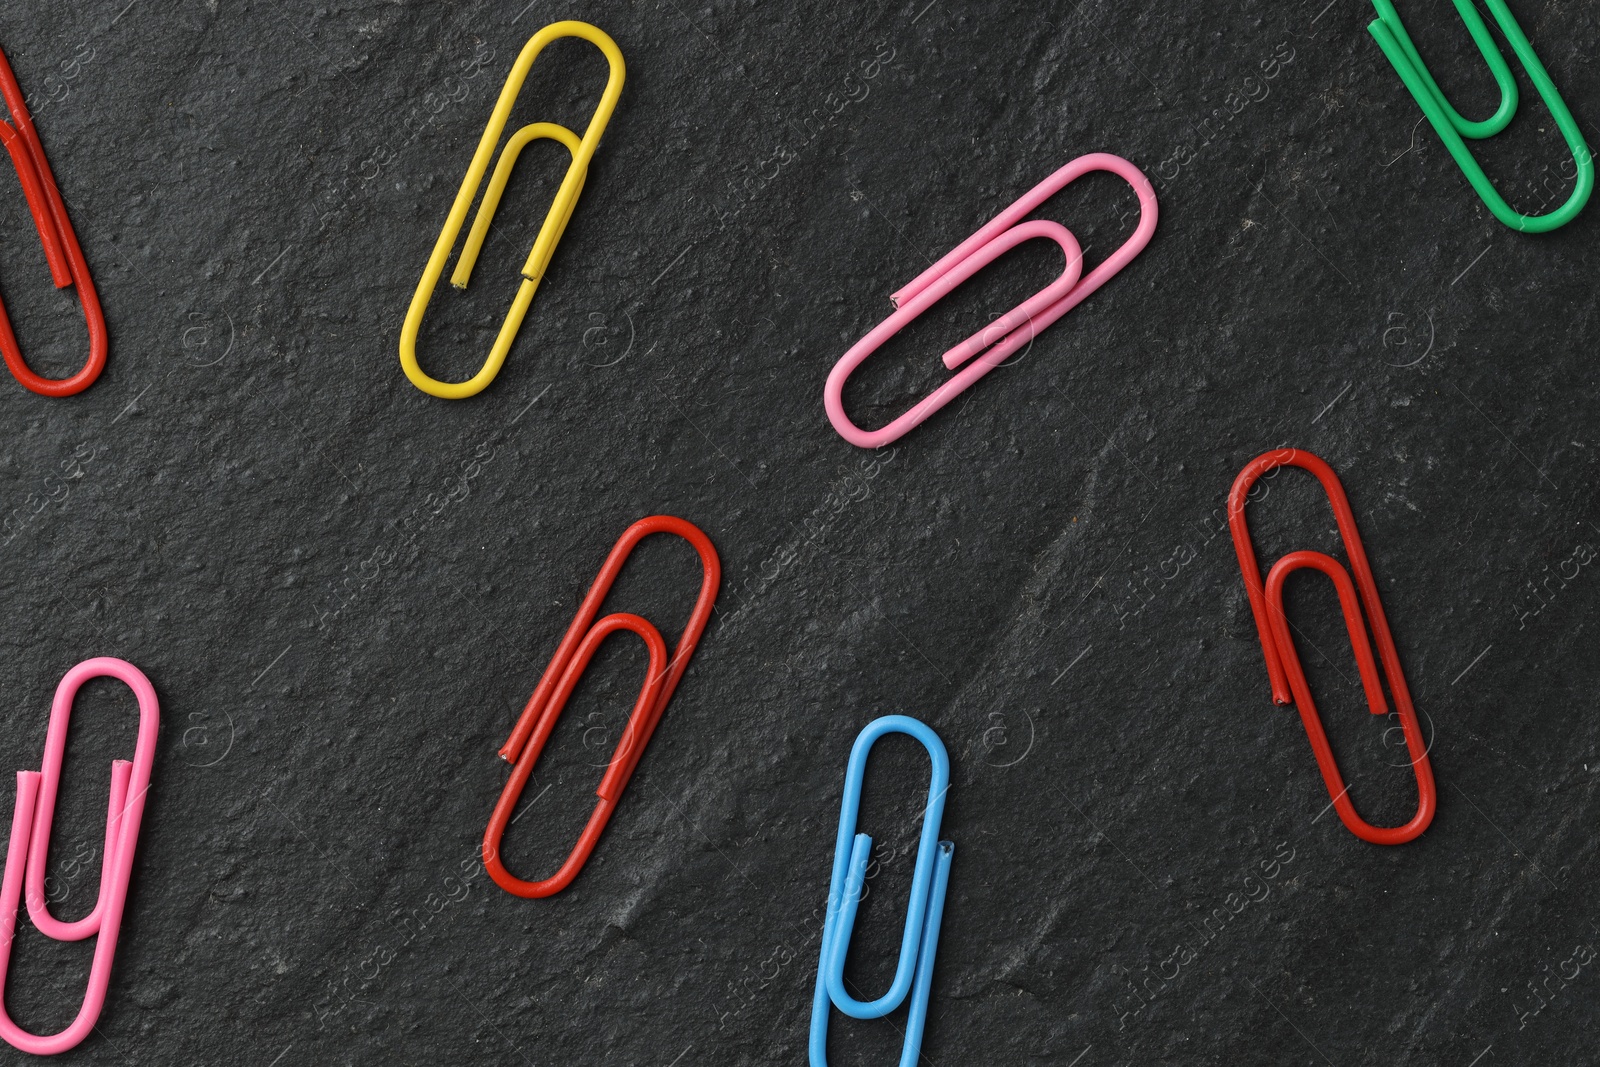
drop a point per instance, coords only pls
(1010, 331)
(1390, 33)
(555, 688)
(930, 878)
(555, 223)
(61, 251)
(1283, 663)
(30, 849)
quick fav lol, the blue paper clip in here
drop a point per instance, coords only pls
(914, 973)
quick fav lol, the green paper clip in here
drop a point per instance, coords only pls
(1390, 33)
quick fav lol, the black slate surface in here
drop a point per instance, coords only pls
(344, 590)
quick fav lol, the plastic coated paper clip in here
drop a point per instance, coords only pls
(1011, 331)
(61, 251)
(931, 877)
(555, 223)
(555, 688)
(1390, 33)
(30, 849)
(1283, 663)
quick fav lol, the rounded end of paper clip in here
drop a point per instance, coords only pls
(446, 390)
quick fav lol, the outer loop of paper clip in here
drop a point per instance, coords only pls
(924, 912)
(27, 853)
(851, 851)
(550, 696)
(550, 232)
(992, 345)
(1358, 594)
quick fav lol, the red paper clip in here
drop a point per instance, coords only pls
(67, 266)
(1283, 663)
(555, 687)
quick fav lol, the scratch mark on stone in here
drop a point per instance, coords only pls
(129, 408)
(1332, 402)
(262, 675)
(1463, 674)
(269, 266)
(1329, 808)
(530, 404)
(674, 263)
(1474, 263)
(1062, 675)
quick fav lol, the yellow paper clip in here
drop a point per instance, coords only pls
(555, 223)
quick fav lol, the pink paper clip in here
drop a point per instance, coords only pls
(1012, 330)
(30, 848)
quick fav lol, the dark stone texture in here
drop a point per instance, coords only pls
(1036, 572)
